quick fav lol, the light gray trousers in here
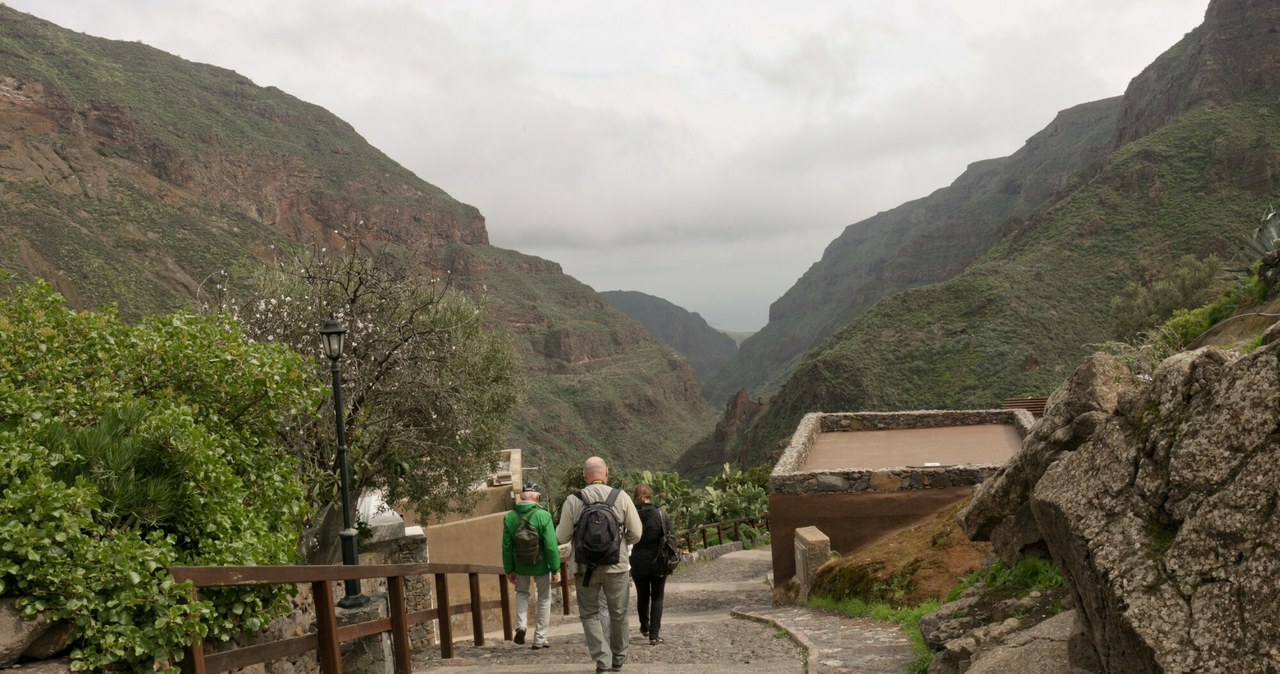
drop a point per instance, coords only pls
(615, 587)
(543, 618)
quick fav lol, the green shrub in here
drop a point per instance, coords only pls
(128, 449)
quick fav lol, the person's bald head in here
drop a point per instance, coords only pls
(595, 469)
(530, 496)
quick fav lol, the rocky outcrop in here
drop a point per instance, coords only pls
(738, 413)
(1165, 520)
(1000, 511)
(1158, 501)
(23, 640)
(1232, 55)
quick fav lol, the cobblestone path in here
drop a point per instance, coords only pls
(718, 617)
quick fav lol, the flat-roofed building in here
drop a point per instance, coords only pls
(859, 476)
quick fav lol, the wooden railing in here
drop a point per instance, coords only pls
(688, 535)
(328, 634)
(1033, 405)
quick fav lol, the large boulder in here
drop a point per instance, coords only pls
(999, 511)
(1164, 520)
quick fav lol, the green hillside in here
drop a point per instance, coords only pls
(706, 348)
(921, 242)
(130, 176)
(1018, 320)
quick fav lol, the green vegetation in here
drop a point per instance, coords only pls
(1190, 283)
(128, 449)
(1017, 320)
(428, 390)
(732, 495)
(1187, 325)
(1030, 574)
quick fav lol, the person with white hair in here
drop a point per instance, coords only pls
(530, 552)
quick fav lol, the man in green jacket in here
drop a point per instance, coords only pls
(530, 551)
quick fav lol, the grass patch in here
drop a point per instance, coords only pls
(908, 618)
(1027, 576)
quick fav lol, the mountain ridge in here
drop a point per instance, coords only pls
(1018, 318)
(706, 348)
(130, 176)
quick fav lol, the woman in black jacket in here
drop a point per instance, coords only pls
(648, 578)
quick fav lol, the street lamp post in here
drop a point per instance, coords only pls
(334, 336)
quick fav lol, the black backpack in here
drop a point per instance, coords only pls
(528, 542)
(597, 540)
(669, 556)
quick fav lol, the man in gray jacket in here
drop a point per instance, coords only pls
(609, 651)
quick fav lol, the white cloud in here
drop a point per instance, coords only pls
(702, 152)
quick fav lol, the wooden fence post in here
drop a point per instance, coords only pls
(443, 617)
(477, 618)
(327, 628)
(399, 625)
(507, 630)
(564, 586)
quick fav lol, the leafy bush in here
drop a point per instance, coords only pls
(1190, 283)
(128, 449)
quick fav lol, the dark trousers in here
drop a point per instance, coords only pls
(649, 603)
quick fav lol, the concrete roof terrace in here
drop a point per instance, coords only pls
(914, 447)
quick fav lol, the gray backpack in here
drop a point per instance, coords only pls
(528, 542)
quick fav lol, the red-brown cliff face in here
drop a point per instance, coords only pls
(1235, 53)
(130, 176)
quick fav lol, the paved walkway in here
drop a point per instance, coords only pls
(717, 618)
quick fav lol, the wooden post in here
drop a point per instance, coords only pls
(564, 586)
(705, 545)
(507, 628)
(193, 655)
(737, 535)
(443, 617)
(399, 625)
(477, 618)
(326, 628)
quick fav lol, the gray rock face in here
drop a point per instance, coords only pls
(21, 639)
(1042, 649)
(1164, 520)
(998, 511)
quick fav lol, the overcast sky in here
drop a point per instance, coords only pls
(704, 152)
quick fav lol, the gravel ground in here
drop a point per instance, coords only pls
(699, 633)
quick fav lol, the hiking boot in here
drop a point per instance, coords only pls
(545, 644)
(655, 641)
(520, 636)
